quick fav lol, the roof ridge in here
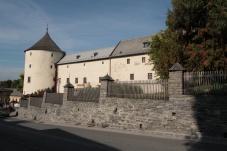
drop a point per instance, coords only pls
(136, 38)
(91, 50)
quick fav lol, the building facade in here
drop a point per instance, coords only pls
(47, 66)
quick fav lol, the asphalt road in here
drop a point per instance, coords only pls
(22, 135)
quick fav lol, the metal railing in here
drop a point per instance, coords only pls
(86, 94)
(24, 103)
(36, 101)
(54, 98)
(205, 83)
(148, 89)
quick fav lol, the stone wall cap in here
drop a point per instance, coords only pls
(107, 78)
(177, 67)
(68, 85)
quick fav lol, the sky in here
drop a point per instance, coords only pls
(74, 25)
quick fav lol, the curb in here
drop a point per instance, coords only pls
(167, 135)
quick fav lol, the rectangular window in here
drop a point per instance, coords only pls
(30, 66)
(30, 53)
(76, 80)
(149, 76)
(131, 76)
(52, 55)
(67, 80)
(51, 66)
(128, 61)
(100, 79)
(85, 80)
(29, 79)
(143, 59)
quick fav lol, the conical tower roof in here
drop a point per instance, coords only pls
(45, 43)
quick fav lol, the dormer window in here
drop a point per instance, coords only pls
(78, 56)
(95, 54)
(146, 44)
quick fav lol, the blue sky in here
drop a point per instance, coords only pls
(74, 25)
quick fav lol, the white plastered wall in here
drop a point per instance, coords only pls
(92, 70)
(121, 71)
(38, 66)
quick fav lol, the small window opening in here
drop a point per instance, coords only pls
(146, 44)
(128, 61)
(52, 55)
(143, 59)
(29, 79)
(96, 53)
(149, 76)
(173, 113)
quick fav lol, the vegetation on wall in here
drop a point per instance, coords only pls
(196, 37)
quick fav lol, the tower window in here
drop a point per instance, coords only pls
(100, 79)
(30, 65)
(67, 80)
(52, 55)
(131, 76)
(84, 64)
(30, 53)
(51, 66)
(102, 62)
(29, 79)
(128, 61)
(76, 80)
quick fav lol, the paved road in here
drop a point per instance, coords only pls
(29, 135)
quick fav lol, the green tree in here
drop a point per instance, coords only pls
(21, 83)
(196, 37)
(14, 83)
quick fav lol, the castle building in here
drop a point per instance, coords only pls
(40, 65)
(47, 66)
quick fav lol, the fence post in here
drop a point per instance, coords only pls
(45, 95)
(68, 92)
(105, 81)
(176, 81)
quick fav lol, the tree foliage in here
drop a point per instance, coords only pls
(196, 37)
(17, 84)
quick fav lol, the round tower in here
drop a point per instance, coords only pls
(40, 65)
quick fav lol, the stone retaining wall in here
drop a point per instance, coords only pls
(194, 116)
(178, 116)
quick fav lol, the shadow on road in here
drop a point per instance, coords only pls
(46, 139)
